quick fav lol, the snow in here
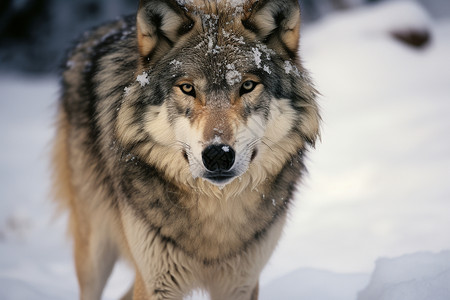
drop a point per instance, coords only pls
(176, 63)
(236, 3)
(257, 57)
(375, 20)
(267, 69)
(232, 3)
(185, 2)
(143, 79)
(232, 76)
(288, 67)
(377, 183)
(126, 91)
(380, 174)
(311, 284)
(419, 276)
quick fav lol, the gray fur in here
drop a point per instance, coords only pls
(131, 184)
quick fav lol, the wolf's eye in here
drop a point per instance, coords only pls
(247, 87)
(188, 89)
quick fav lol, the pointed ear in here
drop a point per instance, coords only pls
(159, 25)
(276, 23)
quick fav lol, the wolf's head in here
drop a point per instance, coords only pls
(220, 91)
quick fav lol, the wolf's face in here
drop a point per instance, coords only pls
(221, 88)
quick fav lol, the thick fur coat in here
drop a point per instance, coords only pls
(180, 140)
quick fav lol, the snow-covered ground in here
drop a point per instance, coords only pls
(378, 183)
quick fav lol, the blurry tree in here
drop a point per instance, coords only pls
(34, 34)
(22, 24)
(17, 21)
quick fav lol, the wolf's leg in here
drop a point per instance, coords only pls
(129, 294)
(95, 256)
(255, 293)
(160, 271)
(158, 291)
(139, 291)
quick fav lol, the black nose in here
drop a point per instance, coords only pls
(218, 157)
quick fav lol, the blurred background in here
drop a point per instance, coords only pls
(34, 33)
(371, 219)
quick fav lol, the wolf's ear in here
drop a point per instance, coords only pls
(159, 24)
(276, 23)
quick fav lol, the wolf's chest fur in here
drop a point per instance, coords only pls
(214, 226)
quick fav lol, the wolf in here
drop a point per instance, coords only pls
(180, 140)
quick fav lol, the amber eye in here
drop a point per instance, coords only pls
(247, 87)
(188, 89)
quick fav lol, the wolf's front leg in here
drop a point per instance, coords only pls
(162, 271)
(95, 256)
(255, 293)
(160, 288)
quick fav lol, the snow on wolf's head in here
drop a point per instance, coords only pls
(225, 94)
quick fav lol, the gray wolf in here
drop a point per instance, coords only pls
(181, 136)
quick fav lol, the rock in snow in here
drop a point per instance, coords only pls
(421, 276)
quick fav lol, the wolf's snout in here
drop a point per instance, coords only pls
(218, 158)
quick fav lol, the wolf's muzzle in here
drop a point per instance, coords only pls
(218, 158)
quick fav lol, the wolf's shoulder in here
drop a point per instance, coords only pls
(101, 39)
